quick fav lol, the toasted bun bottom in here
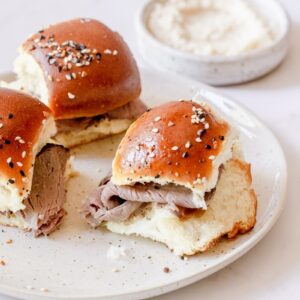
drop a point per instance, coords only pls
(231, 210)
(99, 130)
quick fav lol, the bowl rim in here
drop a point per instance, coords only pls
(141, 27)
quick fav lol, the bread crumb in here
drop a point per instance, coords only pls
(115, 270)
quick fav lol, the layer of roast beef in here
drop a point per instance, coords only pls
(130, 111)
(110, 202)
(44, 206)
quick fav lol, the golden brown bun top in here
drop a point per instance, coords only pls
(170, 144)
(21, 121)
(88, 68)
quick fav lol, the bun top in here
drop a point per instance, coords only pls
(22, 134)
(88, 68)
(181, 142)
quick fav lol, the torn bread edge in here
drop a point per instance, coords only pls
(231, 211)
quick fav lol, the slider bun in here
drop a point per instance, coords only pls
(107, 82)
(26, 125)
(165, 145)
(231, 210)
(101, 129)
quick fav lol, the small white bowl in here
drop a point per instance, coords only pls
(219, 70)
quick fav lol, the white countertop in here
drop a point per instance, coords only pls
(272, 269)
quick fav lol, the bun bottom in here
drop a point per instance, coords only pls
(99, 130)
(231, 210)
(14, 220)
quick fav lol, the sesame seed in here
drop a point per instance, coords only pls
(21, 141)
(17, 138)
(157, 119)
(221, 137)
(206, 126)
(23, 154)
(188, 145)
(115, 52)
(155, 130)
(71, 96)
(7, 142)
(83, 74)
(115, 270)
(10, 116)
(176, 174)
(2, 262)
(175, 148)
(166, 269)
(152, 154)
(84, 51)
(1, 125)
(98, 56)
(170, 124)
(198, 140)
(185, 155)
(52, 61)
(9, 160)
(19, 164)
(107, 51)
(201, 132)
(11, 180)
(11, 164)
(208, 147)
(69, 77)
(85, 20)
(211, 157)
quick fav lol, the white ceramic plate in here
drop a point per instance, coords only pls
(72, 263)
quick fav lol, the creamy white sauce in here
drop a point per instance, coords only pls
(209, 27)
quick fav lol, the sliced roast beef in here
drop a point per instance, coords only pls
(111, 202)
(44, 206)
(130, 111)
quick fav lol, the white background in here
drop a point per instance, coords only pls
(272, 269)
